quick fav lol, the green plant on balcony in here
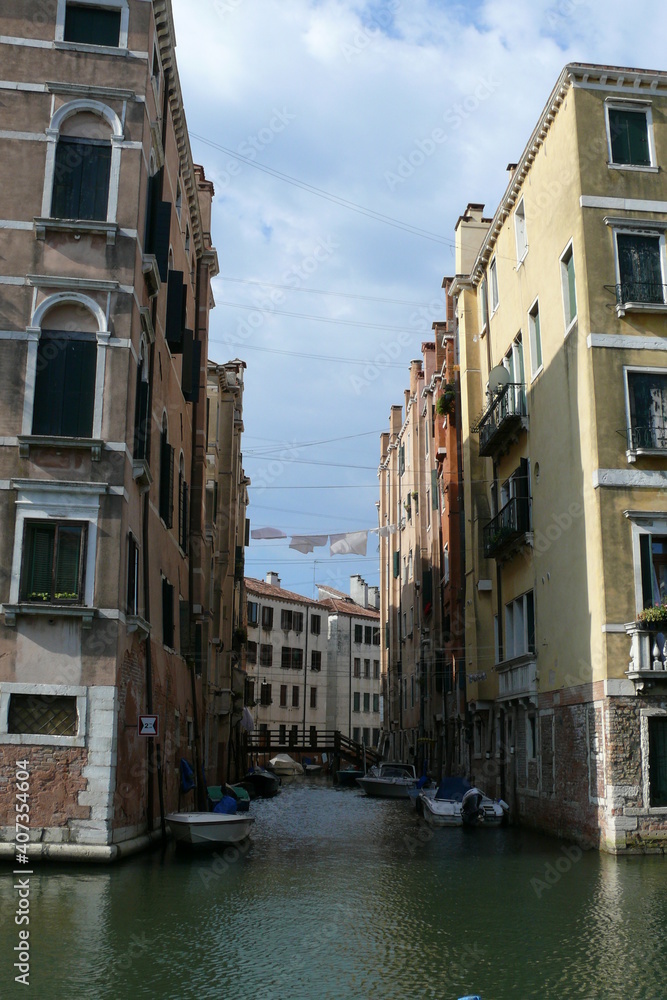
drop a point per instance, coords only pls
(655, 616)
(444, 404)
(239, 638)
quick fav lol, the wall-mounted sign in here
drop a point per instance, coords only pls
(148, 725)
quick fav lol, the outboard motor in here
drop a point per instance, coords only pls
(471, 811)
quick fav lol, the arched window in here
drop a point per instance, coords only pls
(82, 169)
(66, 371)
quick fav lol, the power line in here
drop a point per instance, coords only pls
(320, 193)
(312, 444)
(323, 291)
(319, 319)
(315, 357)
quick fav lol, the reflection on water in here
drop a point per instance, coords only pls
(340, 897)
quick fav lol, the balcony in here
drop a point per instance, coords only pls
(646, 439)
(648, 655)
(503, 418)
(508, 530)
(639, 296)
(517, 679)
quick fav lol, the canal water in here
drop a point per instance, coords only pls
(341, 897)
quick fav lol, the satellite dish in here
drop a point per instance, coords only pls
(498, 378)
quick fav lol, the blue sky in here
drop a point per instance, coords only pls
(318, 297)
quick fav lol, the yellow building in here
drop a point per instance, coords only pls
(561, 306)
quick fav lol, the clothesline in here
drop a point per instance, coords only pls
(340, 544)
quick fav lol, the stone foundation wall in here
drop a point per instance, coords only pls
(56, 780)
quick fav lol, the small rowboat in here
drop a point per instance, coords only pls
(209, 828)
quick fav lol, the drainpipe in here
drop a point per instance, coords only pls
(305, 680)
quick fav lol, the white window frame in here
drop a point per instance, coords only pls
(643, 523)
(616, 104)
(640, 370)
(635, 228)
(535, 371)
(516, 620)
(520, 232)
(493, 285)
(69, 110)
(8, 688)
(121, 5)
(567, 255)
(34, 332)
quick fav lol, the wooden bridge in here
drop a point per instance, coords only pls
(329, 741)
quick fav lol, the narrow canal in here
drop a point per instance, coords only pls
(340, 897)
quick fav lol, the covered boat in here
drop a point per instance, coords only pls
(283, 764)
(260, 783)
(201, 829)
(389, 780)
(442, 806)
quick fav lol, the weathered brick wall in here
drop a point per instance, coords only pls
(55, 783)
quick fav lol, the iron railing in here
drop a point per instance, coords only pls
(507, 526)
(504, 413)
(647, 436)
(641, 291)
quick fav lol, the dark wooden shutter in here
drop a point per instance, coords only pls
(434, 489)
(184, 628)
(191, 374)
(65, 386)
(397, 564)
(92, 25)
(141, 419)
(174, 320)
(166, 481)
(646, 570)
(167, 614)
(38, 564)
(629, 137)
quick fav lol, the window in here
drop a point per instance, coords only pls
(313, 697)
(367, 735)
(286, 620)
(92, 25)
(493, 282)
(356, 701)
(286, 657)
(368, 635)
(376, 669)
(297, 659)
(295, 696)
(42, 715)
(357, 667)
(397, 564)
(253, 613)
(166, 477)
(376, 702)
(182, 507)
(531, 737)
(367, 668)
(282, 734)
(367, 702)
(520, 231)
(535, 339)
(647, 401)
(411, 621)
(132, 602)
(179, 198)
(653, 561)
(520, 626)
(266, 655)
(283, 695)
(629, 136)
(142, 422)
(265, 695)
(81, 179)
(251, 652)
(376, 636)
(167, 614)
(639, 268)
(315, 624)
(445, 563)
(155, 68)
(297, 621)
(315, 660)
(484, 303)
(376, 737)
(569, 287)
(65, 384)
(53, 562)
(356, 734)
(358, 633)
(657, 753)
(249, 692)
(267, 617)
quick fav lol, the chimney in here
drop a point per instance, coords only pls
(273, 579)
(374, 598)
(359, 591)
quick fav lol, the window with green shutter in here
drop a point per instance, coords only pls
(81, 179)
(53, 562)
(92, 25)
(65, 384)
(628, 132)
(434, 489)
(397, 564)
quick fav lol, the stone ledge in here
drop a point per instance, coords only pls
(99, 854)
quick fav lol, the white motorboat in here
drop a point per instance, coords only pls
(283, 765)
(441, 806)
(389, 780)
(209, 828)
(477, 809)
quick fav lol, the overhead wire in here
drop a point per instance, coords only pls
(322, 291)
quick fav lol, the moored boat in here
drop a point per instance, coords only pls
(283, 764)
(260, 783)
(477, 809)
(441, 806)
(346, 777)
(200, 829)
(389, 780)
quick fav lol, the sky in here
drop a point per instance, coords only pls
(344, 139)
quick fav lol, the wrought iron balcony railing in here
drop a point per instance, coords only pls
(507, 527)
(644, 292)
(647, 436)
(505, 413)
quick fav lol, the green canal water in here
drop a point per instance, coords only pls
(340, 897)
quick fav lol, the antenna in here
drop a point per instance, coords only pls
(498, 378)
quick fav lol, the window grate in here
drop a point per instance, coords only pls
(42, 715)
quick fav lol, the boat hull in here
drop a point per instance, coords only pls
(200, 829)
(387, 788)
(348, 778)
(260, 784)
(441, 812)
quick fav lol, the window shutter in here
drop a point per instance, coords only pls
(167, 614)
(397, 564)
(401, 459)
(427, 590)
(184, 627)
(92, 25)
(170, 495)
(174, 321)
(79, 388)
(571, 287)
(434, 489)
(646, 570)
(40, 541)
(191, 373)
(142, 422)
(68, 560)
(629, 137)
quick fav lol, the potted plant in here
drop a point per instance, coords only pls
(444, 404)
(239, 638)
(654, 618)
